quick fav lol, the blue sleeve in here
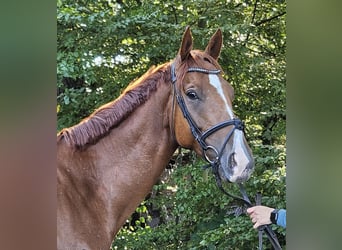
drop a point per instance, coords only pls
(281, 220)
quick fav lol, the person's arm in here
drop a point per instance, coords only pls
(281, 219)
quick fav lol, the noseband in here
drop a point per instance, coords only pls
(196, 132)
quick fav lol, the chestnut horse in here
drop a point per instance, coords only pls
(108, 163)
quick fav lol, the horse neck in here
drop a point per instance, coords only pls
(146, 134)
(124, 165)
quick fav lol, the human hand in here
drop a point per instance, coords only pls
(260, 215)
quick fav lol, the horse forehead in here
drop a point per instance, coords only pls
(215, 82)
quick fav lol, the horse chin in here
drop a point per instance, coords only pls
(235, 173)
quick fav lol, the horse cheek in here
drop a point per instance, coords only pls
(183, 135)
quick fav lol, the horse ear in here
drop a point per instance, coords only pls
(186, 46)
(214, 46)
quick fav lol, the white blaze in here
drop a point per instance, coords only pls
(238, 144)
(240, 152)
(215, 82)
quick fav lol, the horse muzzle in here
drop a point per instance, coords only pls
(237, 163)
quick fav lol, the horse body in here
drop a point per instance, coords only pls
(100, 187)
(109, 162)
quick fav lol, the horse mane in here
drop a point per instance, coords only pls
(97, 125)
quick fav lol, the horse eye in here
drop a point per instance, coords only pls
(192, 95)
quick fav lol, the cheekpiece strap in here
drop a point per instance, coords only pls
(173, 73)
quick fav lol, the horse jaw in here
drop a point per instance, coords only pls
(237, 162)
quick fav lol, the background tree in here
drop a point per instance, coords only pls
(104, 45)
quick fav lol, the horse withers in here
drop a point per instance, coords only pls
(109, 162)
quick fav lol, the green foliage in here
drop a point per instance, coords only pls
(104, 45)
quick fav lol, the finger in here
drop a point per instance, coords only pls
(250, 210)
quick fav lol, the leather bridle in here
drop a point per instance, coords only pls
(196, 132)
(215, 162)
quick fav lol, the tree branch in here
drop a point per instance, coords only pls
(254, 10)
(269, 19)
(253, 17)
(174, 13)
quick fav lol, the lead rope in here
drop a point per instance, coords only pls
(258, 202)
(264, 228)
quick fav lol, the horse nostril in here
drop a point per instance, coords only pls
(231, 160)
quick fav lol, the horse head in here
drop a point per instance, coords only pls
(204, 119)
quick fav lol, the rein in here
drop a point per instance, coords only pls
(264, 228)
(215, 162)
